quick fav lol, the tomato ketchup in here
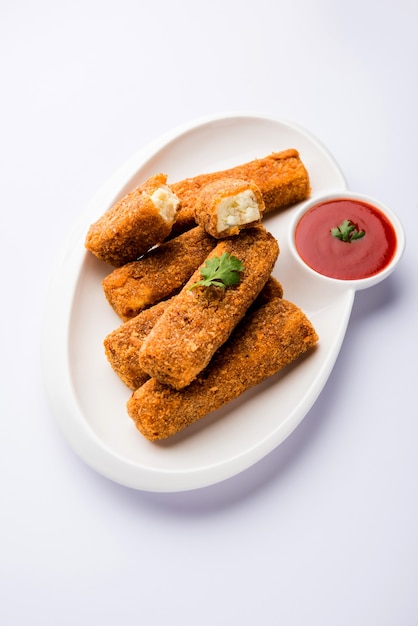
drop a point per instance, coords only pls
(368, 247)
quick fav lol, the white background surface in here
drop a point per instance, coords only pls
(323, 530)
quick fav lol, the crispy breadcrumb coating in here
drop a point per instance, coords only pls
(200, 320)
(226, 206)
(265, 342)
(158, 275)
(141, 219)
(123, 344)
(281, 177)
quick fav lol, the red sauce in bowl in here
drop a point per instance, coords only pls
(346, 260)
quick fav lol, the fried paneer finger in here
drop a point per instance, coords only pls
(264, 343)
(140, 220)
(199, 320)
(123, 344)
(228, 205)
(158, 275)
(281, 177)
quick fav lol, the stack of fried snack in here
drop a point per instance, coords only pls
(186, 348)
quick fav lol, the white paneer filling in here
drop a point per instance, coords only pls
(166, 202)
(237, 210)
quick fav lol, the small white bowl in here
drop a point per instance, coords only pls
(358, 283)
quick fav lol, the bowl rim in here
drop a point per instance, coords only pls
(339, 194)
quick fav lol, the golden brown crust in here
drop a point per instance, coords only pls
(123, 344)
(158, 275)
(265, 342)
(200, 320)
(272, 289)
(207, 204)
(129, 228)
(281, 177)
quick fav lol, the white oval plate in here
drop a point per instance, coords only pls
(87, 397)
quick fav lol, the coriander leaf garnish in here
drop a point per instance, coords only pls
(220, 271)
(347, 231)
